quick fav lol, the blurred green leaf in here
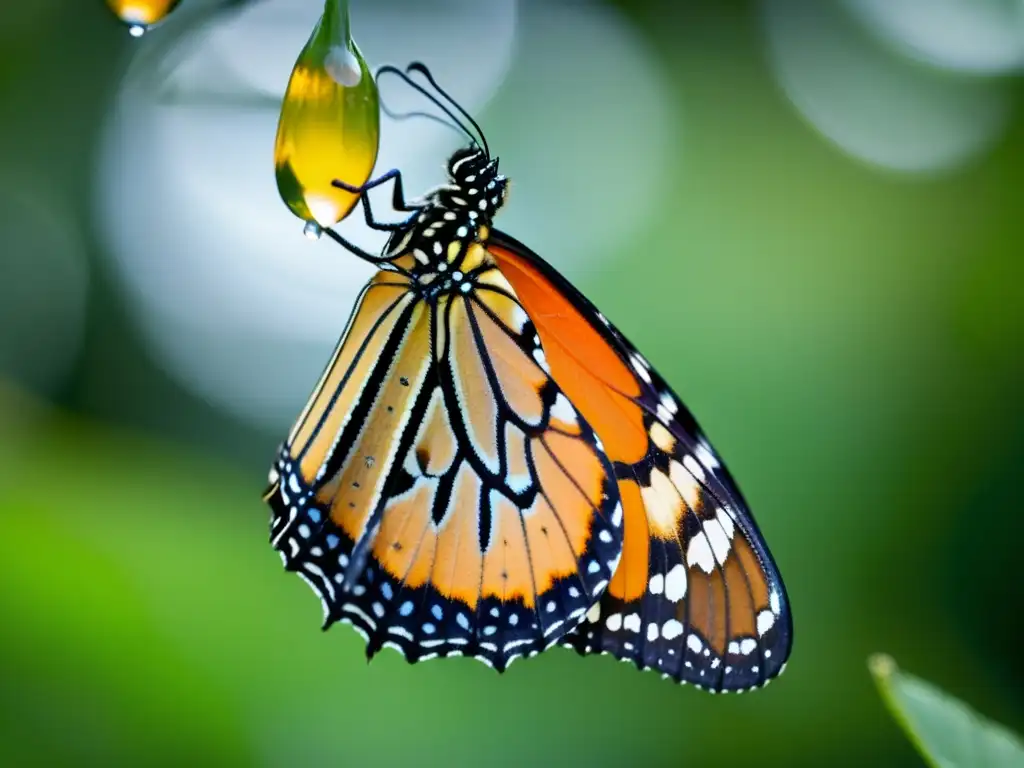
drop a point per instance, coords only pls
(143, 610)
(946, 731)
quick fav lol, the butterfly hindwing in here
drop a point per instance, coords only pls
(440, 492)
(696, 595)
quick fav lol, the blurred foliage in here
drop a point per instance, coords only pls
(946, 731)
(852, 341)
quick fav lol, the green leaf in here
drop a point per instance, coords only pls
(947, 732)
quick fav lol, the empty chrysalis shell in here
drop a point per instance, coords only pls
(329, 126)
(140, 15)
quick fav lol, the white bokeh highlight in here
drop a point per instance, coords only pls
(971, 36)
(584, 130)
(874, 104)
(233, 301)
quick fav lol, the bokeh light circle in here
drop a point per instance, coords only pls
(872, 103)
(973, 36)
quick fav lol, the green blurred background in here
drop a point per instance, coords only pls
(848, 328)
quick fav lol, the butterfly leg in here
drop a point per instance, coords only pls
(398, 201)
(379, 261)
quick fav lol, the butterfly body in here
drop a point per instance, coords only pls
(440, 234)
(487, 467)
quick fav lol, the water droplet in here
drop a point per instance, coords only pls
(312, 230)
(140, 15)
(329, 126)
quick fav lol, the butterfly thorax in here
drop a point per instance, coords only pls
(436, 245)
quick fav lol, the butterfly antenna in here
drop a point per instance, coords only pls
(434, 118)
(420, 67)
(388, 69)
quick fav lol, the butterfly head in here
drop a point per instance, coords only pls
(476, 184)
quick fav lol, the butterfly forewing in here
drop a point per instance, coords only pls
(440, 492)
(696, 595)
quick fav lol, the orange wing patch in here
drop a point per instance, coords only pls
(590, 374)
(436, 446)
(630, 578)
(508, 575)
(451, 498)
(696, 594)
(457, 572)
(406, 544)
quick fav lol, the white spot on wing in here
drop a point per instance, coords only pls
(662, 437)
(685, 483)
(657, 584)
(675, 583)
(705, 455)
(693, 468)
(671, 629)
(699, 554)
(563, 410)
(542, 361)
(361, 614)
(640, 366)
(617, 515)
(519, 318)
(718, 540)
(632, 622)
(669, 403)
(765, 621)
(661, 502)
(725, 520)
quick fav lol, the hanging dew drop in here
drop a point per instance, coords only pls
(140, 15)
(329, 126)
(312, 230)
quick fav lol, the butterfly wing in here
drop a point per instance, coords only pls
(696, 595)
(439, 492)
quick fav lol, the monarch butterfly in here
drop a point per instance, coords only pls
(487, 467)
